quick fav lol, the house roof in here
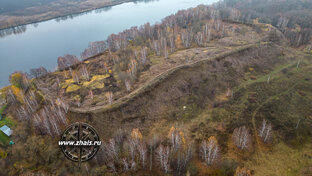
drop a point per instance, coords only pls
(6, 130)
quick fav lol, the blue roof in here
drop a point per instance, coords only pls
(6, 130)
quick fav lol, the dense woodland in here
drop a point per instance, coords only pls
(39, 101)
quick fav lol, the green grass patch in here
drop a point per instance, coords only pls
(4, 139)
(3, 108)
(7, 121)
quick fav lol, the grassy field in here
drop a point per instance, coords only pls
(282, 160)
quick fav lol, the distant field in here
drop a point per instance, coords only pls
(19, 12)
(10, 7)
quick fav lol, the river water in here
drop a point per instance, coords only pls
(40, 44)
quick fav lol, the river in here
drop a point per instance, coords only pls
(40, 44)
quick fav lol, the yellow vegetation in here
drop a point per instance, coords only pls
(98, 85)
(181, 133)
(18, 93)
(72, 88)
(136, 134)
(94, 82)
(212, 138)
(16, 79)
(174, 130)
(77, 98)
(3, 154)
(67, 83)
(179, 41)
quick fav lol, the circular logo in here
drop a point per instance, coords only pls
(80, 142)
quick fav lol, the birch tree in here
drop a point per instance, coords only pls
(210, 150)
(162, 156)
(241, 137)
(265, 131)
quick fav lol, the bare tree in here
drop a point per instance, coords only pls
(133, 68)
(176, 138)
(91, 95)
(133, 165)
(84, 72)
(282, 23)
(235, 15)
(162, 156)
(128, 85)
(156, 48)
(143, 152)
(181, 160)
(153, 142)
(74, 75)
(109, 96)
(241, 137)
(210, 150)
(125, 164)
(143, 55)
(132, 148)
(112, 150)
(10, 96)
(66, 61)
(22, 114)
(172, 45)
(265, 131)
(38, 72)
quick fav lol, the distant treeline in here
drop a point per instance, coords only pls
(292, 17)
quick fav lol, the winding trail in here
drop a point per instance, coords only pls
(267, 101)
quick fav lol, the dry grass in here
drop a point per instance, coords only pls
(281, 161)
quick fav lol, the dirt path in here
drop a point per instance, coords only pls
(158, 79)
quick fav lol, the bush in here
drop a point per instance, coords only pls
(16, 79)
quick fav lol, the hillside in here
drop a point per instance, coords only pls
(198, 94)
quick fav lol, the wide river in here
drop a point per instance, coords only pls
(40, 44)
